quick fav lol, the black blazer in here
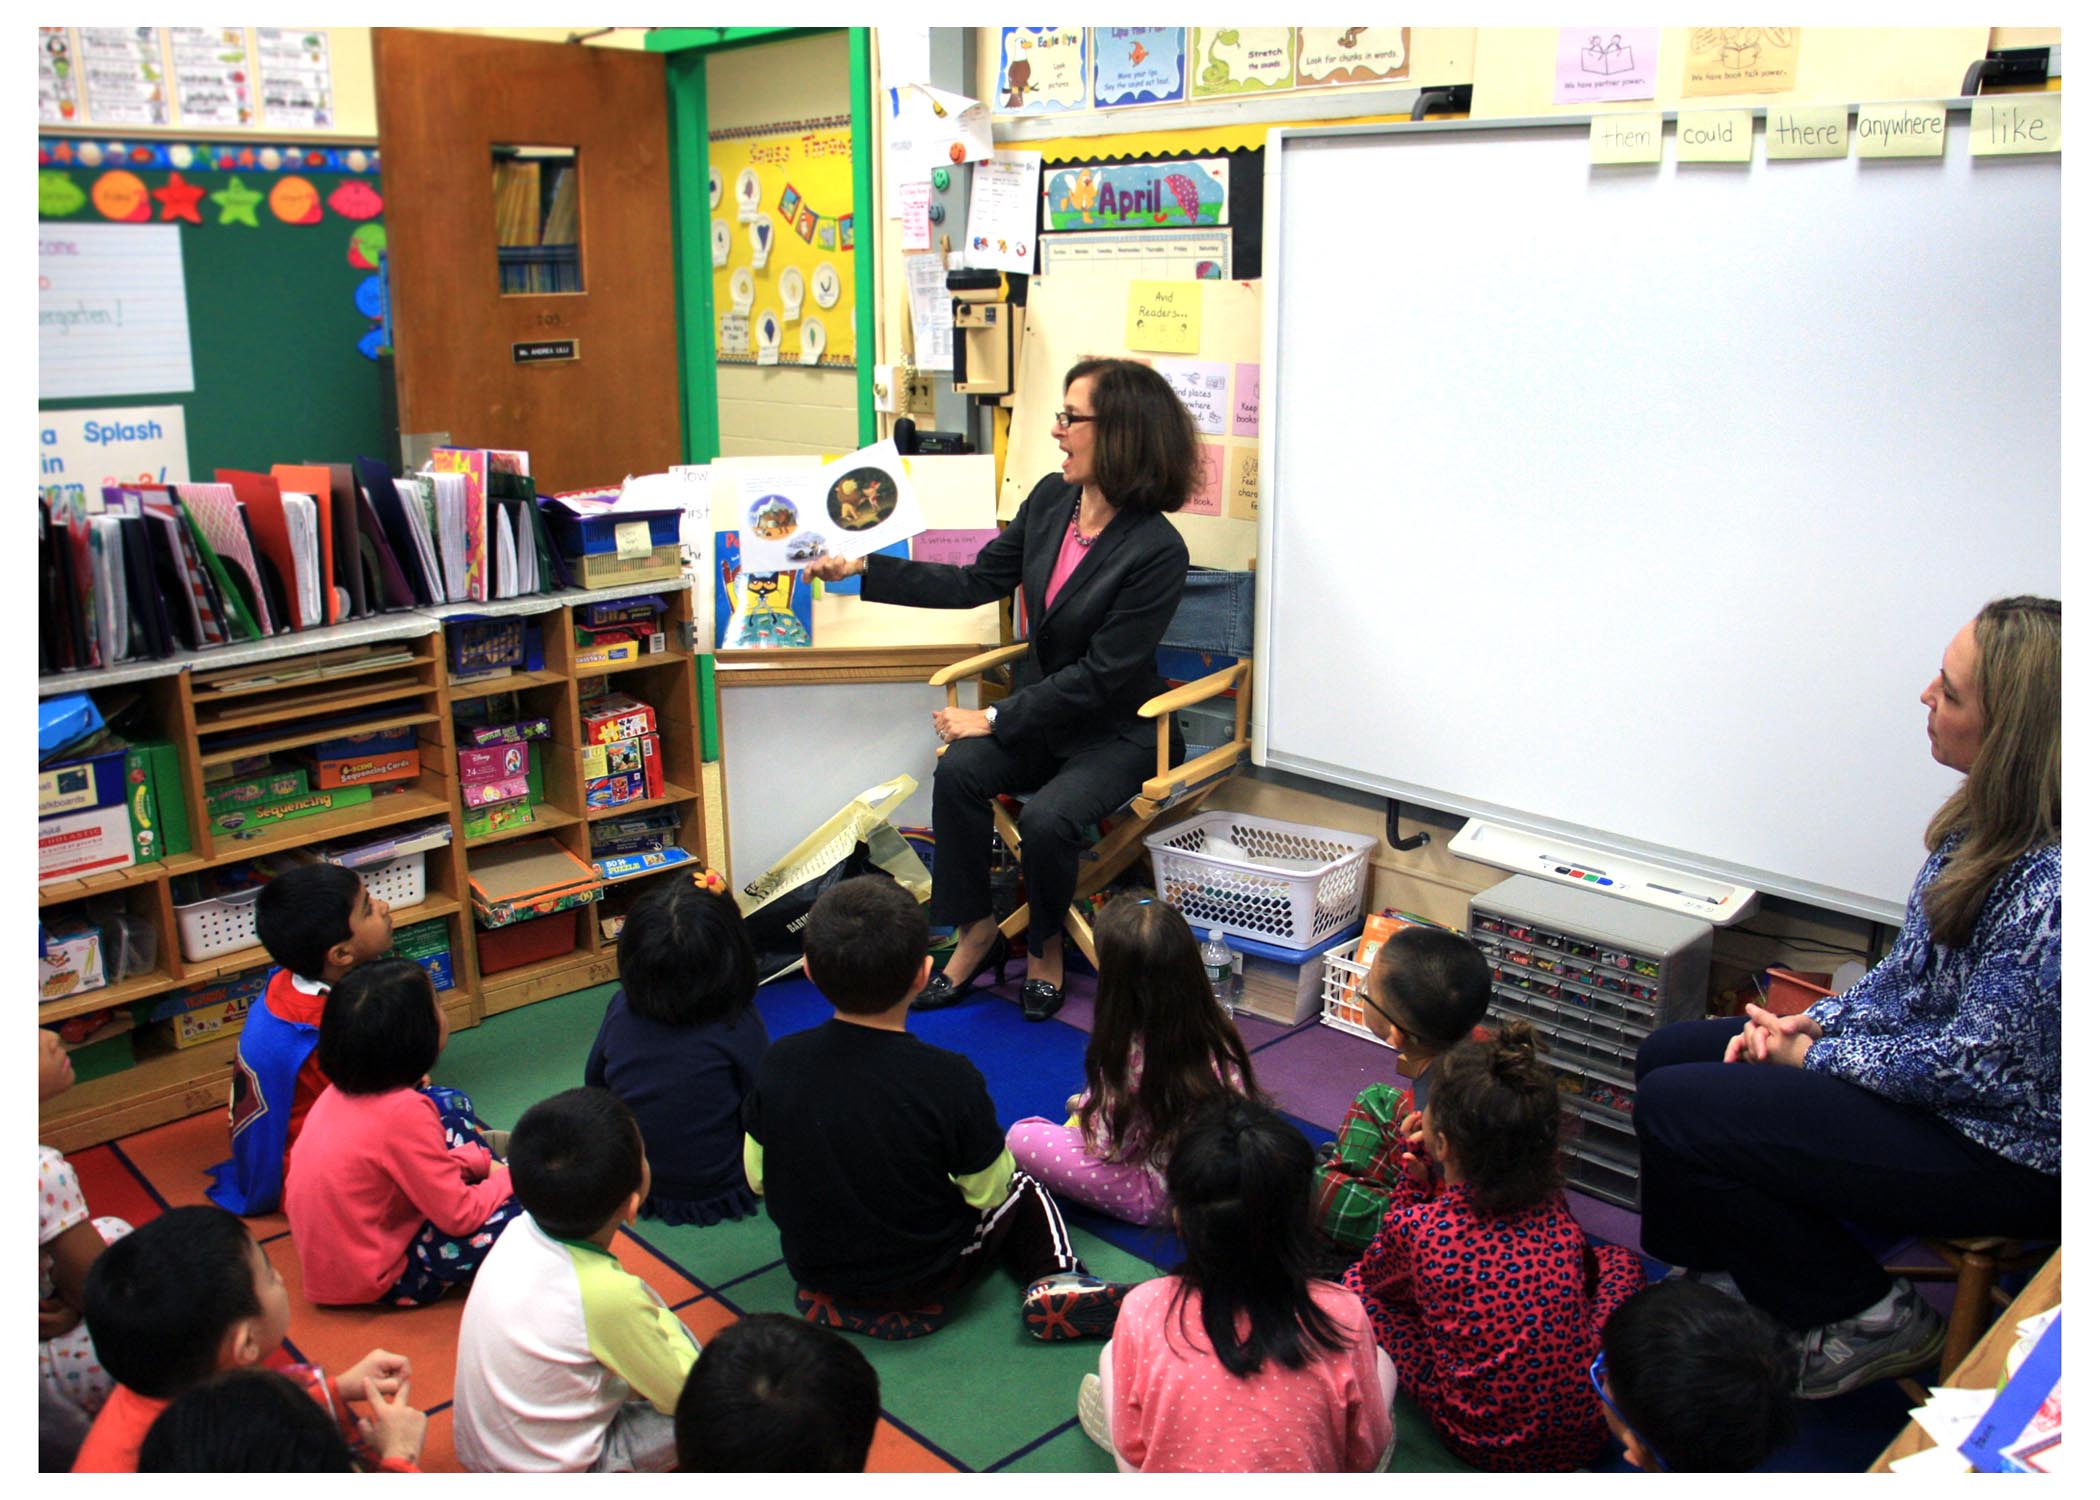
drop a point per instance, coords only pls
(1092, 657)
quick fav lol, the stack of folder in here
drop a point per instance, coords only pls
(157, 569)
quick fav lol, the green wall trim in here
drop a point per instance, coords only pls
(860, 46)
(685, 76)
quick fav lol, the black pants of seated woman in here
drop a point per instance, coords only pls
(1069, 797)
(1757, 1169)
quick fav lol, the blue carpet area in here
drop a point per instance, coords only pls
(1031, 1069)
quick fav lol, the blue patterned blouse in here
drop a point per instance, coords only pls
(1971, 1033)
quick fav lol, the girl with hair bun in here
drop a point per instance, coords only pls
(1483, 1288)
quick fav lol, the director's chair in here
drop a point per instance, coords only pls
(1214, 623)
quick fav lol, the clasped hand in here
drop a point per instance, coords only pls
(1774, 1039)
(830, 568)
(953, 724)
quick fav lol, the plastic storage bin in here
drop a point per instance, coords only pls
(1342, 997)
(1283, 883)
(226, 924)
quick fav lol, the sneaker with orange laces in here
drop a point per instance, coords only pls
(1072, 1305)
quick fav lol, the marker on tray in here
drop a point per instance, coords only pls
(1671, 890)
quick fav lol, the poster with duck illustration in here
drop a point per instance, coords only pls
(1136, 195)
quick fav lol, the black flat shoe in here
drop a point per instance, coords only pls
(942, 992)
(1040, 999)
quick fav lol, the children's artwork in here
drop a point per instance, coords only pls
(720, 232)
(791, 290)
(1136, 195)
(1138, 65)
(825, 286)
(747, 191)
(1042, 69)
(1351, 54)
(757, 610)
(1595, 62)
(714, 187)
(1741, 60)
(812, 340)
(853, 506)
(761, 233)
(1242, 60)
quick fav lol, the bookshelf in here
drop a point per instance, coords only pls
(198, 700)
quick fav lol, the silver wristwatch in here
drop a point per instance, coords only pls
(991, 716)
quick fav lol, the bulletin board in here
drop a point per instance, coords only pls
(783, 195)
(281, 282)
(1078, 313)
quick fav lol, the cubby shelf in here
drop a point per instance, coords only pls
(307, 679)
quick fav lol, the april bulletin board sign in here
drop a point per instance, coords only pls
(781, 201)
(1159, 192)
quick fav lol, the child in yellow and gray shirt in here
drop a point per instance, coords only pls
(567, 1362)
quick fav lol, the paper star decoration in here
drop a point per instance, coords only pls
(237, 203)
(178, 200)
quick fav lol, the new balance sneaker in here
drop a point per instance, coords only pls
(1893, 1340)
(1072, 1305)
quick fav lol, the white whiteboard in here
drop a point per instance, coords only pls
(111, 314)
(1637, 504)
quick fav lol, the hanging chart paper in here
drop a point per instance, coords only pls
(1001, 233)
(112, 316)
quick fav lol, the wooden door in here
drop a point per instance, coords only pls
(445, 102)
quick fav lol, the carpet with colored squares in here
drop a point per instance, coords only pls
(980, 1395)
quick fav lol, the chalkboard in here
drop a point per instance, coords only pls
(1635, 505)
(275, 323)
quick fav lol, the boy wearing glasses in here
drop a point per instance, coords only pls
(1427, 991)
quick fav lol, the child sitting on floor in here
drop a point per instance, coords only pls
(680, 1044)
(317, 922)
(1483, 1289)
(261, 1422)
(1696, 1381)
(1426, 993)
(382, 1208)
(68, 1244)
(191, 1293)
(567, 1361)
(880, 1158)
(1240, 1360)
(775, 1395)
(1161, 1046)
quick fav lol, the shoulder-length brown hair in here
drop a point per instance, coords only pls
(2012, 799)
(1144, 438)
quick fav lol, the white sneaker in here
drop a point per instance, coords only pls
(1847, 1354)
(1093, 1416)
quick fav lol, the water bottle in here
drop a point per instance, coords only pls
(1217, 967)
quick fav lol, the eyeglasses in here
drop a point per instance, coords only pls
(1067, 417)
(1597, 1385)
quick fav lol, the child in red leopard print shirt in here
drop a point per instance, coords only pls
(1483, 1289)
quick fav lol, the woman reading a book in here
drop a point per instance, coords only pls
(1927, 1098)
(1099, 569)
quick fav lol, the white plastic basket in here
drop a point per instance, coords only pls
(1342, 997)
(1283, 883)
(226, 924)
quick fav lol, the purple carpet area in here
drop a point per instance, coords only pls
(1314, 1071)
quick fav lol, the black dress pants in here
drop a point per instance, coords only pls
(1756, 1169)
(1070, 796)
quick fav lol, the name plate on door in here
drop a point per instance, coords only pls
(543, 351)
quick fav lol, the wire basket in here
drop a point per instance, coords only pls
(1342, 997)
(226, 924)
(1289, 884)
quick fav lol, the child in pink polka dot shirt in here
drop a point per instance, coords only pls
(1241, 1361)
(67, 1244)
(1161, 1046)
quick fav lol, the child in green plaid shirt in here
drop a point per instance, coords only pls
(1427, 992)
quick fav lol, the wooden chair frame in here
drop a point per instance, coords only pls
(1177, 788)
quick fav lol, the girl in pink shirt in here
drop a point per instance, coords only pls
(381, 1208)
(1161, 1045)
(1240, 1361)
